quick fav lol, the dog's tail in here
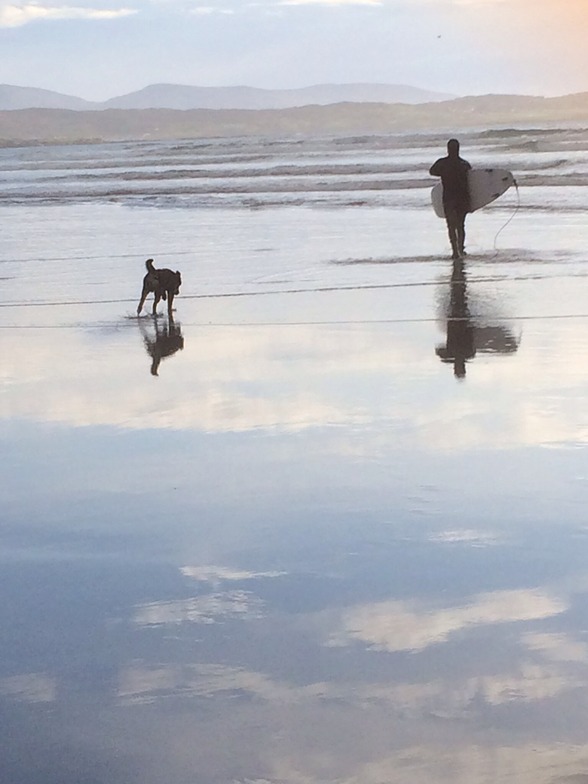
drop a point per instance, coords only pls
(149, 265)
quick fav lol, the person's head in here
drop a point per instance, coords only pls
(453, 148)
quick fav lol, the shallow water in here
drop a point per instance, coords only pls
(341, 535)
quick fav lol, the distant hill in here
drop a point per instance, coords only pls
(12, 97)
(176, 96)
(28, 126)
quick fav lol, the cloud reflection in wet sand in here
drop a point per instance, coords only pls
(392, 496)
(201, 609)
(357, 732)
(557, 647)
(241, 380)
(217, 574)
(404, 626)
(30, 687)
(455, 698)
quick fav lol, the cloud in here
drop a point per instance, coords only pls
(19, 15)
(331, 3)
(396, 626)
(476, 3)
(205, 10)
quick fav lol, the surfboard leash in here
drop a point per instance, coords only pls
(516, 209)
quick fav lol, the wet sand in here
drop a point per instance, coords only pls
(329, 526)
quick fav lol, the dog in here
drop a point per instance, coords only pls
(163, 283)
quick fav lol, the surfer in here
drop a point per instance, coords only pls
(453, 171)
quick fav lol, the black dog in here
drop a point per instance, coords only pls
(164, 284)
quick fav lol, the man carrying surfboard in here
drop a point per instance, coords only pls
(453, 171)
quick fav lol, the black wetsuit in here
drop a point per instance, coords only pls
(453, 171)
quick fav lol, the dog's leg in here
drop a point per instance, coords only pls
(170, 300)
(142, 300)
(156, 298)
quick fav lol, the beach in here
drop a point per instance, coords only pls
(329, 524)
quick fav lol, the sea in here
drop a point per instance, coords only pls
(325, 525)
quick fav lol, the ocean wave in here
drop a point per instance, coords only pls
(359, 170)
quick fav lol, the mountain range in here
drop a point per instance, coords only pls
(184, 97)
(482, 112)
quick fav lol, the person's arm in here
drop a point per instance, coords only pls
(437, 168)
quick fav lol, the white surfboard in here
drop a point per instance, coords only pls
(485, 185)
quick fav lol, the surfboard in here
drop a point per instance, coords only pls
(485, 185)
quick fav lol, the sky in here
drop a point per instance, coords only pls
(98, 49)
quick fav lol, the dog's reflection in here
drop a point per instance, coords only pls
(464, 336)
(162, 340)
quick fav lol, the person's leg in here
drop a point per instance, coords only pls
(452, 230)
(461, 234)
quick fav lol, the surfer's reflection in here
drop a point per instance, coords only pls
(164, 340)
(459, 346)
(465, 337)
